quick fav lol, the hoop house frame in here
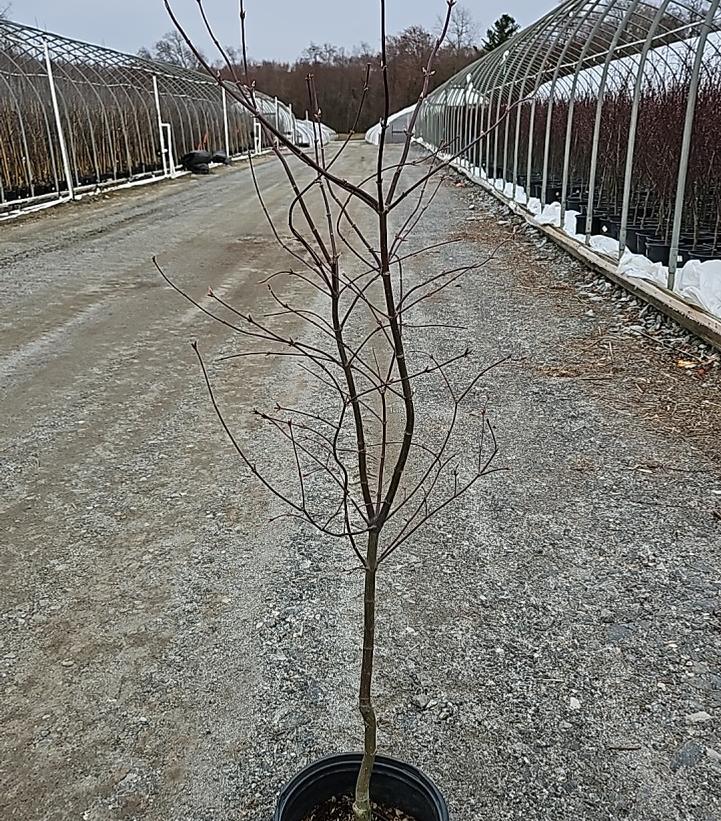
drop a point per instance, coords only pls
(74, 116)
(609, 112)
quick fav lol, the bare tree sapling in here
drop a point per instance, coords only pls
(364, 469)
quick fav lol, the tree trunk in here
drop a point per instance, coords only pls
(362, 805)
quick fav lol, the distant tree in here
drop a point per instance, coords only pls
(172, 48)
(5, 11)
(462, 30)
(503, 29)
(327, 53)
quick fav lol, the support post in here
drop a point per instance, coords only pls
(601, 92)
(59, 124)
(226, 124)
(168, 133)
(161, 133)
(633, 124)
(686, 143)
(277, 118)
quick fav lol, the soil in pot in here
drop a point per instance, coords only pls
(341, 809)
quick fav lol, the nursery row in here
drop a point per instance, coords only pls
(613, 110)
(74, 115)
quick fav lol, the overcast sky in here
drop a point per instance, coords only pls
(276, 28)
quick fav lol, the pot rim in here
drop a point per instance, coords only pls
(392, 768)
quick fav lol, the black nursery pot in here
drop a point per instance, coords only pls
(644, 236)
(599, 224)
(613, 225)
(702, 254)
(636, 238)
(658, 251)
(574, 204)
(393, 783)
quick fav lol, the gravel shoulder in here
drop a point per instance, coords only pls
(550, 649)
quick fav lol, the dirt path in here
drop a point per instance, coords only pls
(168, 654)
(127, 528)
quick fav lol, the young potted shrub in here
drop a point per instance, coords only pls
(364, 472)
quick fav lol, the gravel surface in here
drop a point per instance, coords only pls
(550, 649)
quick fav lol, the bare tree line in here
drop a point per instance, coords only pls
(340, 74)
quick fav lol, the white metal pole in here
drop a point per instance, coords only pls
(168, 132)
(633, 125)
(59, 125)
(686, 142)
(277, 118)
(161, 133)
(225, 122)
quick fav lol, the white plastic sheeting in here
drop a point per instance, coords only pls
(307, 133)
(397, 127)
(699, 283)
(662, 64)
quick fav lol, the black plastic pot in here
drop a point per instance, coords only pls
(632, 239)
(581, 223)
(220, 157)
(702, 254)
(574, 204)
(393, 783)
(196, 162)
(599, 224)
(613, 225)
(705, 240)
(658, 251)
(644, 236)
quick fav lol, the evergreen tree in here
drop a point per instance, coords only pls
(503, 29)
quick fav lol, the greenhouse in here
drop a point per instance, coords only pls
(75, 116)
(308, 132)
(604, 119)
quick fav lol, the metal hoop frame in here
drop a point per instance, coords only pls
(75, 115)
(614, 105)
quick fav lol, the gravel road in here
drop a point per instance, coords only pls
(551, 649)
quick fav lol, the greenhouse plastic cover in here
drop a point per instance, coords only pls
(307, 132)
(373, 135)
